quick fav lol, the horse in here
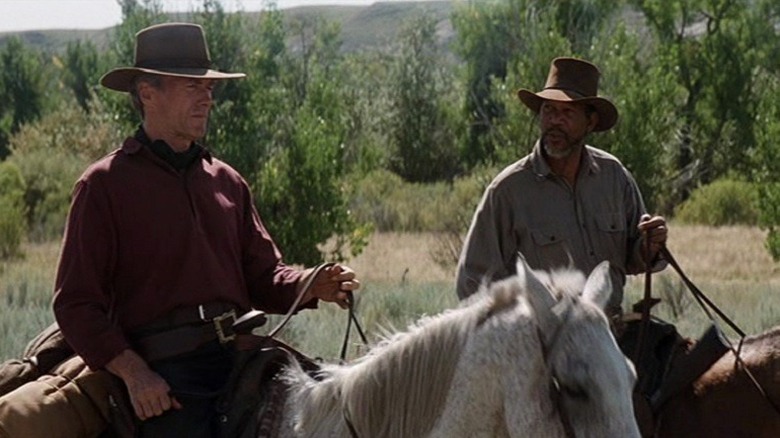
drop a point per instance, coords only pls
(724, 402)
(531, 355)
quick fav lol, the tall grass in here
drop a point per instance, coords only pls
(381, 308)
(402, 282)
(25, 296)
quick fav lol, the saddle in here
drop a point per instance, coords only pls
(669, 363)
(250, 405)
(253, 400)
(41, 355)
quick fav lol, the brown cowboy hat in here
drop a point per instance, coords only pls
(573, 80)
(170, 49)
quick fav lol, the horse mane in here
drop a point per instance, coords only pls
(758, 351)
(771, 335)
(416, 368)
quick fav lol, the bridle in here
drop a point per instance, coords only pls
(350, 319)
(555, 387)
(350, 306)
(709, 309)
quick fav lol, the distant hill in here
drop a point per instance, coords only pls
(362, 27)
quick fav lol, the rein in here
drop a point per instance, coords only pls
(350, 319)
(709, 308)
(304, 289)
(647, 301)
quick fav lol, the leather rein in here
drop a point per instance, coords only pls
(350, 307)
(709, 308)
(351, 318)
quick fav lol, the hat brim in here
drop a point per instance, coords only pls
(121, 79)
(608, 113)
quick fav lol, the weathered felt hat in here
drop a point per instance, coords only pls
(573, 80)
(170, 49)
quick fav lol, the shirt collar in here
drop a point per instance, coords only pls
(134, 144)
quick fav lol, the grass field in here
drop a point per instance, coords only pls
(401, 282)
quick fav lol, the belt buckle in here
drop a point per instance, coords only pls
(217, 320)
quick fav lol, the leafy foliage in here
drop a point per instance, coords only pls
(12, 223)
(50, 155)
(83, 68)
(299, 184)
(317, 131)
(422, 133)
(722, 202)
(21, 90)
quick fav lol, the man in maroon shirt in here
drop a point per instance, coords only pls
(159, 233)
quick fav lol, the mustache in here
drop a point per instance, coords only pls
(555, 131)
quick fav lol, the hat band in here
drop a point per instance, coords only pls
(569, 91)
(175, 63)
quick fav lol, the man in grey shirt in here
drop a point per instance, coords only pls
(566, 203)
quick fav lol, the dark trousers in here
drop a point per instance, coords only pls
(196, 380)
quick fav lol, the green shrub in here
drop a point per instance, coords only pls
(723, 202)
(12, 212)
(383, 199)
(51, 154)
(49, 184)
(391, 204)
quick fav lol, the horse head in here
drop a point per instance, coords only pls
(484, 369)
(592, 380)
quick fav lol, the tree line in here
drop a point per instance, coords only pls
(313, 128)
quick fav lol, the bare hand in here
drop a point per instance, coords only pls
(653, 228)
(334, 283)
(149, 393)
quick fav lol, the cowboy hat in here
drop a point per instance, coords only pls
(170, 49)
(573, 80)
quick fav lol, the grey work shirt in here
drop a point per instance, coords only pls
(527, 209)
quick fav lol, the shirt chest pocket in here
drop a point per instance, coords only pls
(611, 239)
(550, 248)
(611, 223)
(546, 237)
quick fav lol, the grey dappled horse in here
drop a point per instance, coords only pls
(530, 356)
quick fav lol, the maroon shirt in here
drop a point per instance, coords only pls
(143, 239)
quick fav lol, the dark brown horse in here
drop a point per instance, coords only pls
(724, 402)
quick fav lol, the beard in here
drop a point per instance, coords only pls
(570, 144)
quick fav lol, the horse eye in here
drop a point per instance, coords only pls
(575, 392)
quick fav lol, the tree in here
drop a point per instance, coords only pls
(51, 153)
(22, 90)
(647, 97)
(136, 15)
(714, 48)
(494, 35)
(486, 38)
(300, 188)
(82, 70)
(422, 135)
(232, 135)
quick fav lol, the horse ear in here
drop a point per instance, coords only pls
(539, 297)
(598, 287)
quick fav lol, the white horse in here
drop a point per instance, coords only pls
(532, 356)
